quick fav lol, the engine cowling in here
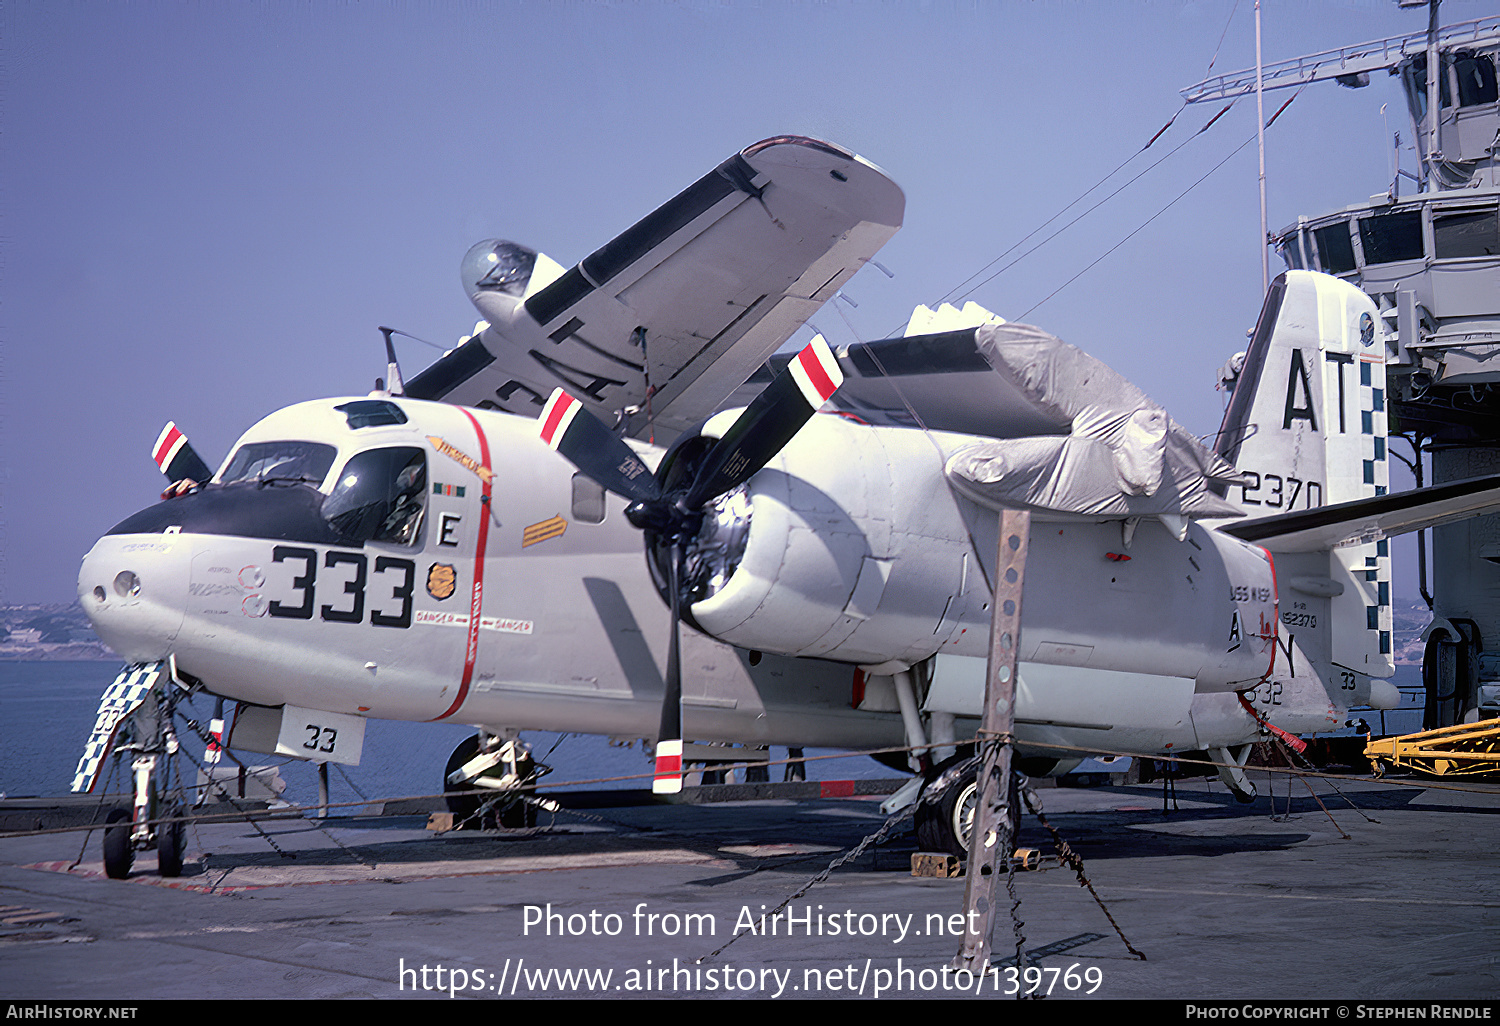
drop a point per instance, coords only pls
(851, 546)
(847, 546)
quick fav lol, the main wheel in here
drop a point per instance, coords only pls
(945, 810)
(118, 851)
(171, 844)
(465, 807)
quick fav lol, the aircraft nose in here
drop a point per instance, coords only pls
(133, 587)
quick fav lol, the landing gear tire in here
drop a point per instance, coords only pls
(171, 845)
(945, 822)
(118, 851)
(465, 807)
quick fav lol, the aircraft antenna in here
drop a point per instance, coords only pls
(397, 386)
(1260, 134)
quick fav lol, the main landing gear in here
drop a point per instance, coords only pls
(497, 778)
(944, 816)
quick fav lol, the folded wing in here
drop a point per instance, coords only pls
(663, 322)
(1064, 434)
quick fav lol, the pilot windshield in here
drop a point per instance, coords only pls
(298, 462)
(378, 496)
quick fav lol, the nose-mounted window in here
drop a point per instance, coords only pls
(378, 496)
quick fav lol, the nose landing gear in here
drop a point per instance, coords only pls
(135, 715)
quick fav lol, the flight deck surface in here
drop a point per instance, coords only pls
(1225, 901)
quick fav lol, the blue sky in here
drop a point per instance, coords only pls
(209, 208)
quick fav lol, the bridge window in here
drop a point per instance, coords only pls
(1335, 250)
(1391, 237)
(1291, 251)
(1476, 79)
(1419, 85)
(1468, 233)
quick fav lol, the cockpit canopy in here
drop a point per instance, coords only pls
(378, 495)
(275, 489)
(279, 462)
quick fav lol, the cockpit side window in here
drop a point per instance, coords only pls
(281, 462)
(378, 496)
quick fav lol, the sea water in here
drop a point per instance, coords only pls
(47, 710)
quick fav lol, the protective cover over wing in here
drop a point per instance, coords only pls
(663, 322)
(1070, 435)
(1115, 453)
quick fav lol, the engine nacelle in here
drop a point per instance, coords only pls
(855, 550)
(851, 546)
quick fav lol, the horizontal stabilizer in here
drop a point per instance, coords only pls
(1372, 519)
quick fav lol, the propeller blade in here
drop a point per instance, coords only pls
(591, 447)
(668, 778)
(176, 457)
(759, 433)
(768, 423)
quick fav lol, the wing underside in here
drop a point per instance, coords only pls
(663, 322)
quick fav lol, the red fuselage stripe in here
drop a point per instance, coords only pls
(476, 601)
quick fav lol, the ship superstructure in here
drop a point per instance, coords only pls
(1431, 261)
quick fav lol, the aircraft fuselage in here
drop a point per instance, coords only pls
(514, 594)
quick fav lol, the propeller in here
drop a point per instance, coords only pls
(178, 460)
(669, 505)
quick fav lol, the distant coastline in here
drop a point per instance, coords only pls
(73, 652)
(49, 633)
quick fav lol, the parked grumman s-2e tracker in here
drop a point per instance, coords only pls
(423, 554)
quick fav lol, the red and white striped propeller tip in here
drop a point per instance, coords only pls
(816, 372)
(559, 412)
(668, 779)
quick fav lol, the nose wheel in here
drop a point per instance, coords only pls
(135, 716)
(171, 844)
(119, 853)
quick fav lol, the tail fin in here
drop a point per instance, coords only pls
(1306, 426)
